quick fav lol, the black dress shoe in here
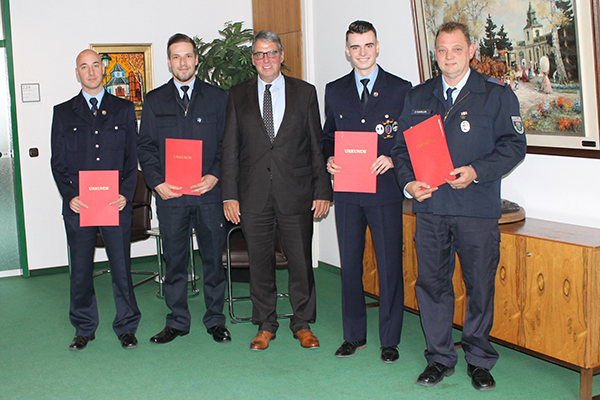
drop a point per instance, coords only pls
(220, 333)
(481, 379)
(80, 342)
(347, 349)
(434, 373)
(167, 335)
(128, 341)
(389, 354)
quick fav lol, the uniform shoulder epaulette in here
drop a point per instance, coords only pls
(424, 82)
(496, 81)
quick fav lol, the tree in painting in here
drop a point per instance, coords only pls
(567, 43)
(488, 44)
(503, 42)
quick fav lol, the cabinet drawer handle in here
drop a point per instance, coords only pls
(528, 254)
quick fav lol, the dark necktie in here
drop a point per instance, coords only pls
(186, 97)
(94, 102)
(268, 113)
(365, 93)
(449, 97)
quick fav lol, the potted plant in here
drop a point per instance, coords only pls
(226, 61)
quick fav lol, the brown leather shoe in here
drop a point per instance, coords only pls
(307, 339)
(261, 340)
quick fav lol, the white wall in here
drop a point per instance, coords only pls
(47, 36)
(561, 189)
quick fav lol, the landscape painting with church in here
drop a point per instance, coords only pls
(531, 45)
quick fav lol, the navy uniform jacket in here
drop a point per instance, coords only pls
(483, 129)
(82, 142)
(163, 117)
(344, 112)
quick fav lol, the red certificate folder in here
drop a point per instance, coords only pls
(97, 189)
(183, 164)
(428, 151)
(355, 152)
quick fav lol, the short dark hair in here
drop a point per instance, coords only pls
(360, 27)
(267, 36)
(180, 38)
(449, 27)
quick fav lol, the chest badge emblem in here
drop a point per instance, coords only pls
(465, 126)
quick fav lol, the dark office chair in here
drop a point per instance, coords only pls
(236, 263)
(140, 224)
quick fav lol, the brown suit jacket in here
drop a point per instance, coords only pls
(293, 162)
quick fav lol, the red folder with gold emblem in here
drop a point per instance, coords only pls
(183, 164)
(355, 152)
(97, 189)
(428, 151)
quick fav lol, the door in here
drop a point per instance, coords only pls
(10, 193)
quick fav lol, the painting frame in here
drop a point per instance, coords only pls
(586, 16)
(144, 76)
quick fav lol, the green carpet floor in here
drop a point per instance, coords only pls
(35, 362)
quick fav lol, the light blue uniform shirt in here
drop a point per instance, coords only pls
(98, 97)
(458, 87)
(372, 77)
(181, 92)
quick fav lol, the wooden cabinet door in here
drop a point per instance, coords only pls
(555, 299)
(508, 301)
(460, 294)
(409, 261)
(370, 272)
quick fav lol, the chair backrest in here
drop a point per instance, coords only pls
(239, 251)
(142, 212)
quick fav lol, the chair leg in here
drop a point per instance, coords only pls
(161, 289)
(194, 289)
(151, 277)
(230, 299)
(286, 295)
(104, 271)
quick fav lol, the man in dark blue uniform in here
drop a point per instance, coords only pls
(96, 131)
(187, 108)
(485, 137)
(368, 99)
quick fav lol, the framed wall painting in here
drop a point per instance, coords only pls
(128, 71)
(545, 49)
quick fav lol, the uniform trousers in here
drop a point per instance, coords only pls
(296, 232)
(175, 229)
(438, 239)
(385, 222)
(83, 311)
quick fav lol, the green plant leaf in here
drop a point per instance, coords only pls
(227, 60)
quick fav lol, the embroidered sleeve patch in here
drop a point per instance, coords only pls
(517, 124)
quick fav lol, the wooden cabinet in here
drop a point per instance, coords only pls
(507, 306)
(547, 291)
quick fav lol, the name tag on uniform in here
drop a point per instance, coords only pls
(421, 112)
